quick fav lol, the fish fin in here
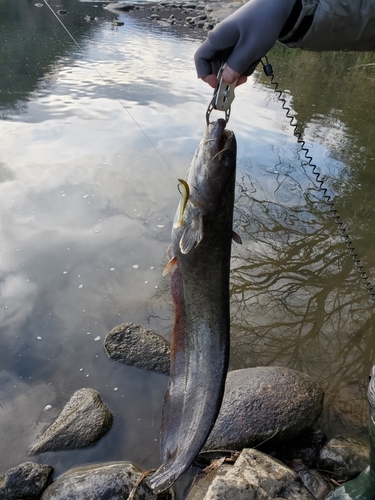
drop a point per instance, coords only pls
(192, 235)
(184, 189)
(168, 268)
(174, 395)
(169, 251)
(236, 237)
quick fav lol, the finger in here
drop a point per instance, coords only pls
(211, 80)
(229, 75)
(242, 79)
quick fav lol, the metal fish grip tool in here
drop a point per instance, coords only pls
(222, 98)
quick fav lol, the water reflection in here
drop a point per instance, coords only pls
(93, 143)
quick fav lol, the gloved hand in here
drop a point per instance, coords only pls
(242, 39)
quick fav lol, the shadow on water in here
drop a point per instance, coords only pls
(88, 194)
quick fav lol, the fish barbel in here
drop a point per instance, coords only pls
(200, 259)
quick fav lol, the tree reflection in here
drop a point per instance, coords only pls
(296, 298)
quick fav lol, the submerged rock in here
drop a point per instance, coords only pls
(109, 481)
(138, 346)
(346, 456)
(82, 422)
(26, 481)
(254, 476)
(265, 403)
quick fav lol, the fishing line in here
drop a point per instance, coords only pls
(268, 71)
(107, 83)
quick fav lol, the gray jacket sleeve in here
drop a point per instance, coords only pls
(336, 25)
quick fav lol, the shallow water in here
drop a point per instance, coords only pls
(93, 140)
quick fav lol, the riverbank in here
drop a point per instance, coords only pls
(202, 15)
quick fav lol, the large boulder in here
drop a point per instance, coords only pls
(109, 481)
(265, 403)
(26, 481)
(254, 476)
(138, 346)
(82, 422)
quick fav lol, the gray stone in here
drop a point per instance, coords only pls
(346, 456)
(223, 10)
(138, 346)
(316, 484)
(26, 481)
(254, 476)
(263, 403)
(109, 481)
(82, 422)
(123, 6)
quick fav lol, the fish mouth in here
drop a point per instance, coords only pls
(220, 137)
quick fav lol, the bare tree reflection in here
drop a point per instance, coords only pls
(296, 299)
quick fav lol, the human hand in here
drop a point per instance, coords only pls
(228, 75)
(241, 40)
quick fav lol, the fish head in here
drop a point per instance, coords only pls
(213, 167)
(208, 190)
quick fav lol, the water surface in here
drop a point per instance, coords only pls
(94, 138)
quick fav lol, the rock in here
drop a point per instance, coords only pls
(346, 456)
(62, 12)
(82, 422)
(305, 447)
(254, 476)
(123, 6)
(316, 484)
(110, 481)
(26, 481)
(263, 403)
(222, 11)
(138, 346)
(200, 24)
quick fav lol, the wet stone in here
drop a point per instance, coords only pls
(82, 422)
(318, 485)
(345, 456)
(112, 481)
(138, 346)
(26, 481)
(265, 403)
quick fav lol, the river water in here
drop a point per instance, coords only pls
(94, 134)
